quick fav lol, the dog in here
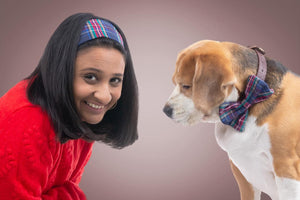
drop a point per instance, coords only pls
(264, 157)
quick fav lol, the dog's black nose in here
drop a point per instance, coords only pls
(168, 110)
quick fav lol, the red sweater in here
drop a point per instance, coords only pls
(33, 164)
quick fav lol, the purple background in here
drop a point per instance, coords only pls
(169, 161)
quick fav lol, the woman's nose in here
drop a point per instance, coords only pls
(103, 94)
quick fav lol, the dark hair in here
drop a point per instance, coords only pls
(51, 87)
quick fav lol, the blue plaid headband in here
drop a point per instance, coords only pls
(97, 28)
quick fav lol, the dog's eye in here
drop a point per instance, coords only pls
(186, 87)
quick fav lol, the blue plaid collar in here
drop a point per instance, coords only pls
(257, 90)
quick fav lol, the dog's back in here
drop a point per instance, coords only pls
(284, 129)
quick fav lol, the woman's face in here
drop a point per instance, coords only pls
(97, 82)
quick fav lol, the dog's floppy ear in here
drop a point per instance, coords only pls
(212, 83)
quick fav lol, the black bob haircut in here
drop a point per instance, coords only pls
(51, 87)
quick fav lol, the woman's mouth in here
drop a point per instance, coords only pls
(94, 106)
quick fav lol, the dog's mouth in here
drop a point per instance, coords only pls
(178, 115)
(206, 117)
(189, 118)
(210, 118)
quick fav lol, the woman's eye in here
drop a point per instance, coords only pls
(90, 77)
(115, 81)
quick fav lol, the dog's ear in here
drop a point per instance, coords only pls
(213, 81)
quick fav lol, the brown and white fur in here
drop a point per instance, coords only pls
(265, 157)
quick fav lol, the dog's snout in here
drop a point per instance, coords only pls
(168, 110)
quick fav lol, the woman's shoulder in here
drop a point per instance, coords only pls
(25, 132)
(17, 113)
(14, 98)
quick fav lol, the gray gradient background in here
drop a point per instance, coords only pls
(168, 162)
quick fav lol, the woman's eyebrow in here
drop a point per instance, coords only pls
(118, 74)
(91, 69)
(100, 71)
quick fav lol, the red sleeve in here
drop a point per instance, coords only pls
(27, 150)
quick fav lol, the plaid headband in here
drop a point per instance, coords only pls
(97, 28)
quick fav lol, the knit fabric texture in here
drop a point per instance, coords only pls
(33, 164)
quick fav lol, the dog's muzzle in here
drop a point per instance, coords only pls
(168, 110)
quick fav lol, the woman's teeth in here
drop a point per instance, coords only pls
(94, 105)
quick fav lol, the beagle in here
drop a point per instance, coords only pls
(264, 157)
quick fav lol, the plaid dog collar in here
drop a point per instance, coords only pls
(262, 63)
(97, 28)
(235, 114)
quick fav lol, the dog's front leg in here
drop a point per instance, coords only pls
(288, 189)
(287, 171)
(247, 191)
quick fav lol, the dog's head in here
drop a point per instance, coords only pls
(203, 80)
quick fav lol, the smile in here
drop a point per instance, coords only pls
(94, 105)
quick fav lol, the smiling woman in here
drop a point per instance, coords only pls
(98, 82)
(83, 90)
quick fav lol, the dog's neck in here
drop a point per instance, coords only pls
(245, 64)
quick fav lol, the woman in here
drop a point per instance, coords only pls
(83, 90)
